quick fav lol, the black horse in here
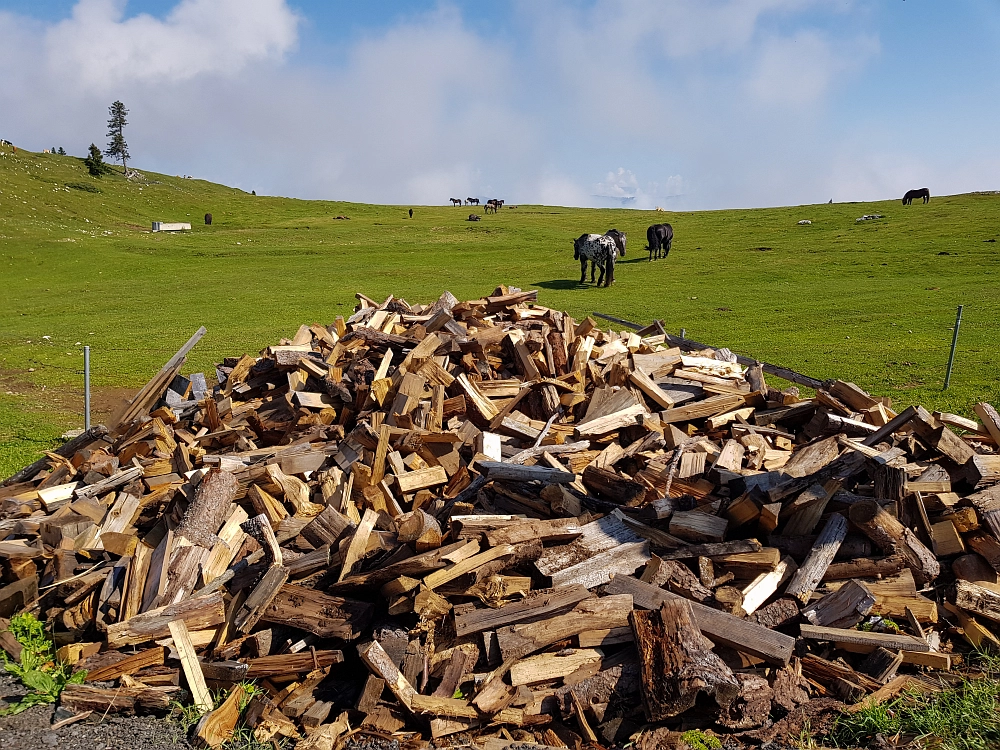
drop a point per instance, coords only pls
(659, 237)
(911, 194)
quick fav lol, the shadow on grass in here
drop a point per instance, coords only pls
(636, 260)
(561, 284)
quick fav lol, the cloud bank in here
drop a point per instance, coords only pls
(683, 104)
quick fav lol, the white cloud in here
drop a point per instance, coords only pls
(99, 48)
(690, 104)
(799, 70)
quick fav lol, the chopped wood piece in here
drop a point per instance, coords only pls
(843, 608)
(189, 663)
(808, 576)
(891, 536)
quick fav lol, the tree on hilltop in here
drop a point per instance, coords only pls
(95, 162)
(62, 151)
(117, 147)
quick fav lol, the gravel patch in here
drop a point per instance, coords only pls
(31, 729)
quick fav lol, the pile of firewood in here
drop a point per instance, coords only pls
(484, 522)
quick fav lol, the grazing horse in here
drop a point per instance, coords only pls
(472, 201)
(491, 203)
(659, 237)
(911, 194)
(600, 250)
(456, 201)
(619, 238)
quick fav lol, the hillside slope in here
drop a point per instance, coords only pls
(869, 301)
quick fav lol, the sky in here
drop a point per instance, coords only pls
(681, 104)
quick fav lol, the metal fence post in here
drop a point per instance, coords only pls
(86, 387)
(954, 343)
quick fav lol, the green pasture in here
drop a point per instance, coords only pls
(872, 302)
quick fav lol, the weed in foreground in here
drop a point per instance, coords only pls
(963, 717)
(37, 668)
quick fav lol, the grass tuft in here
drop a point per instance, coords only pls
(963, 717)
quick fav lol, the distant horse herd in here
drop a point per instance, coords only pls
(601, 250)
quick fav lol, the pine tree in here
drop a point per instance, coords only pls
(95, 162)
(62, 151)
(117, 147)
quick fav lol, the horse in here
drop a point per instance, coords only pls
(600, 250)
(472, 201)
(411, 213)
(911, 194)
(659, 236)
(492, 203)
(456, 201)
(619, 238)
(473, 217)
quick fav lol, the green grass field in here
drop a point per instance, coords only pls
(872, 302)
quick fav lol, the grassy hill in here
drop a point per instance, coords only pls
(871, 301)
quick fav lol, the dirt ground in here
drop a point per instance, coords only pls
(31, 730)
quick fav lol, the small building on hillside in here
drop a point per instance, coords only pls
(166, 226)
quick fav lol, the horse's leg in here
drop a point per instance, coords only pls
(593, 269)
(600, 279)
(583, 270)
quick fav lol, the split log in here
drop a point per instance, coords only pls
(892, 536)
(843, 608)
(209, 509)
(808, 576)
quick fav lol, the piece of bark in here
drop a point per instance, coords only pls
(677, 661)
(891, 536)
(751, 706)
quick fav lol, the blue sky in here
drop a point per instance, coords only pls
(685, 104)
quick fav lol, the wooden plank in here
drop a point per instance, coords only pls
(722, 628)
(861, 638)
(189, 663)
(537, 607)
(197, 613)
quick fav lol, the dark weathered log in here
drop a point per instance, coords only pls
(317, 613)
(677, 661)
